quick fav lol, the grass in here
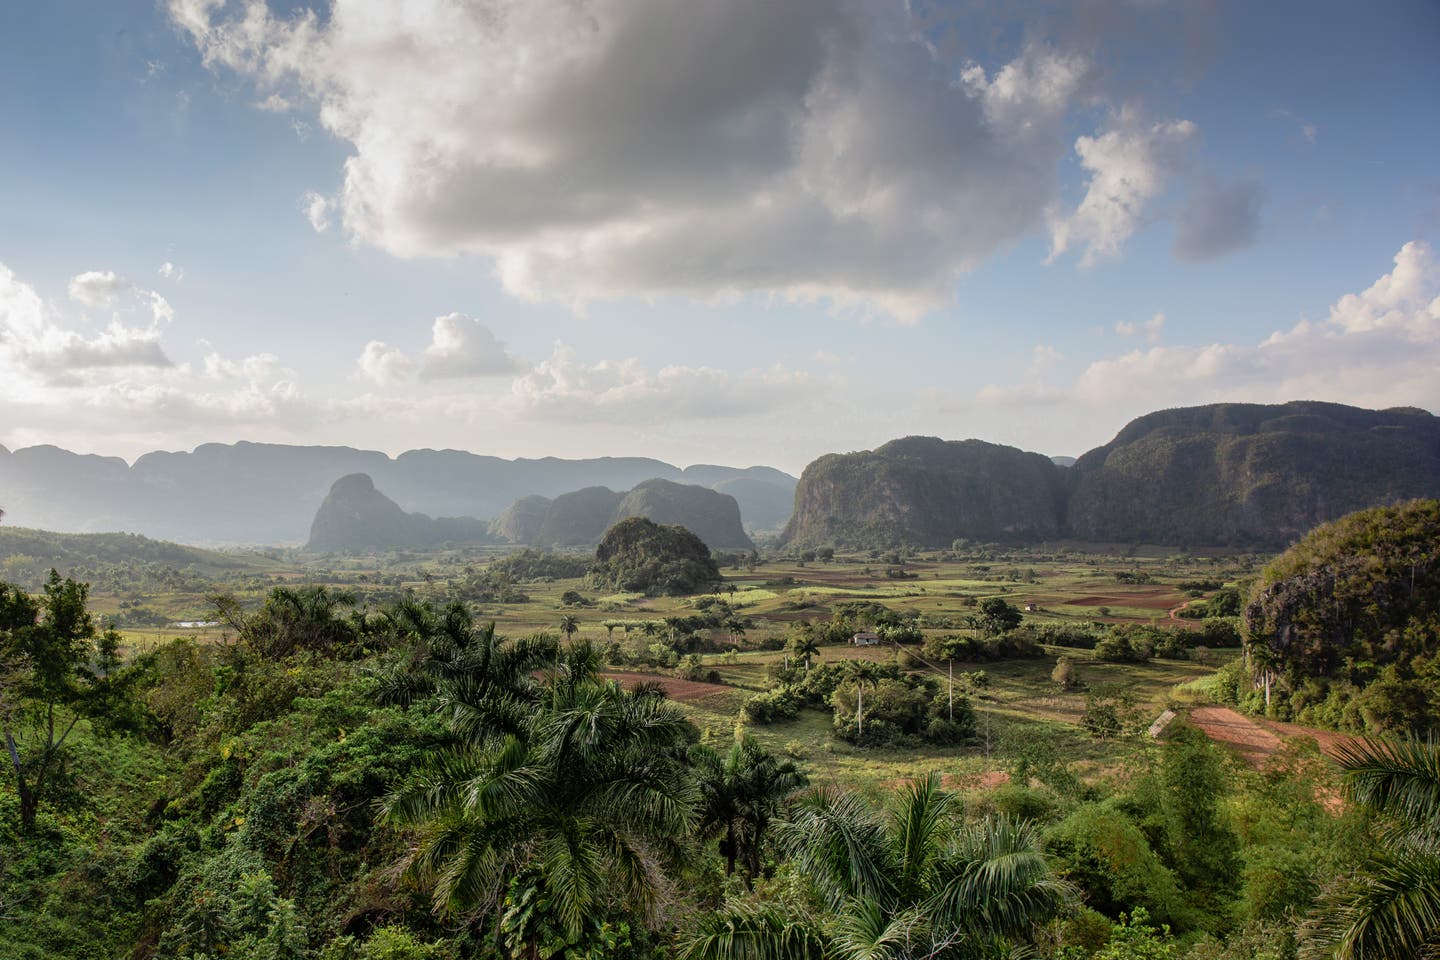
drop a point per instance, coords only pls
(1065, 586)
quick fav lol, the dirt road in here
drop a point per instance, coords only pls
(1257, 739)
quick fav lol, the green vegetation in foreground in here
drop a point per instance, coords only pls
(339, 770)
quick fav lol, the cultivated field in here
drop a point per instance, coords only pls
(770, 600)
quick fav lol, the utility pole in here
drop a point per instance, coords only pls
(951, 664)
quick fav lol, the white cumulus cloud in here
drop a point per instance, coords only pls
(1129, 166)
(813, 149)
(460, 348)
(1149, 329)
(97, 288)
(565, 389)
(1378, 348)
(383, 364)
(36, 344)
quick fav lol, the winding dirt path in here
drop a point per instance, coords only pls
(1256, 740)
(1175, 611)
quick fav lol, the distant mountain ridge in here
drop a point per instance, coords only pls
(355, 517)
(1251, 475)
(1239, 474)
(581, 517)
(928, 491)
(252, 493)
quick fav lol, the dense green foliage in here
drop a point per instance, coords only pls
(912, 882)
(1391, 909)
(1343, 629)
(530, 565)
(341, 779)
(641, 555)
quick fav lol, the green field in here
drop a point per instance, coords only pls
(1051, 586)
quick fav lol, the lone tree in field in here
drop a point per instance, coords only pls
(998, 617)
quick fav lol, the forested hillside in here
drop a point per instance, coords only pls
(1343, 629)
(1250, 475)
(921, 490)
(1235, 475)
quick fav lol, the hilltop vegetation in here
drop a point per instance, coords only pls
(1343, 629)
(641, 555)
(921, 490)
(28, 556)
(1237, 475)
(1250, 474)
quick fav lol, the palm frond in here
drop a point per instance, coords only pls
(863, 930)
(914, 825)
(746, 932)
(841, 845)
(574, 875)
(996, 880)
(1398, 778)
(1391, 912)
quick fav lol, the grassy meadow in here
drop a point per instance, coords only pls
(1051, 585)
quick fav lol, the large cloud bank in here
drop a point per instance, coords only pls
(810, 149)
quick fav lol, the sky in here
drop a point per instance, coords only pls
(709, 231)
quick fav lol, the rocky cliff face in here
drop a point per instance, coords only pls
(356, 518)
(921, 490)
(1245, 475)
(1250, 474)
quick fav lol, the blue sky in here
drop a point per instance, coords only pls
(730, 231)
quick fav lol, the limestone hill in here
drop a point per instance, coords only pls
(356, 518)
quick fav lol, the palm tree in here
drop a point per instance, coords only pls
(909, 884)
(569, 623)
(741, 793)
(301, 618)
(485, 683)
(1392, 908)
(588, 804)
(803, 645)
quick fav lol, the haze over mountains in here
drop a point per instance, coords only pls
(357, 517)
(1218, 475)
(252, 493)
